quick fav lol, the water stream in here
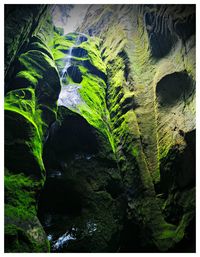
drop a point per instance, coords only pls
(69, 94)
(74, 233)
(78, 41)
(68, 63)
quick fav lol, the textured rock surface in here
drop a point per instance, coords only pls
(111, 118)
(23, 231)
(86, 73)
(151, 100)
(30, 106)
(21, 21)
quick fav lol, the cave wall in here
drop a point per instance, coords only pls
(150, 120)
(135, 91)
(30, 106)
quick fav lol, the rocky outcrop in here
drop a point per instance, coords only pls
(105, 126)
(32, 89)
(21, 22)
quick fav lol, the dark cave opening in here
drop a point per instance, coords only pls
(174, 88)
(71, 142)
(79, 183)
(73, 135)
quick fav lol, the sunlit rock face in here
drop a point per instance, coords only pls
(105, 115)
(150, 66)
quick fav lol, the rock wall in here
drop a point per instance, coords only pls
(32, 88)
(108, 113)
(150, 64)
(79, 155)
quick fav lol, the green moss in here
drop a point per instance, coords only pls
(92, 47)
(112, 44)
(37, 62)
(31, 107)
(20, 192)
(92, 87)
(135, 152)
(39, 45)
(13, 233)
(20, 112)
(28, 77)
(58, 43)
(95, 110)
(20, 215)
(22, 101)
(36, 69)
(17, 240)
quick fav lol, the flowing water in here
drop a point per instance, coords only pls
(78, 41)
(69, 94)
(68, 63)
(70, 97)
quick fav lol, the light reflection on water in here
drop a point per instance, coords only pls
(71, 235)
(64, 239)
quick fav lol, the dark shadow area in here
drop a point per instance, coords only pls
(75, 73)
(164, 29)
(76, 51)
(161, 42)
(64, 196)
(179, 168)
(174, 88)
(72, 136)
(187, 27)
(93, 70)
(79, 52)
(125, 58)
(132, 241)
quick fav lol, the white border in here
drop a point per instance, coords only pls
(2, 113)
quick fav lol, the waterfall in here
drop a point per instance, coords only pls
(68, 63)
(69, 57)
(69, 95)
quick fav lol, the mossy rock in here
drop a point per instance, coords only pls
(96, 210)
(25, 141)
(21, 22)
(23, 232)
(37, 44)
(36, 69)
